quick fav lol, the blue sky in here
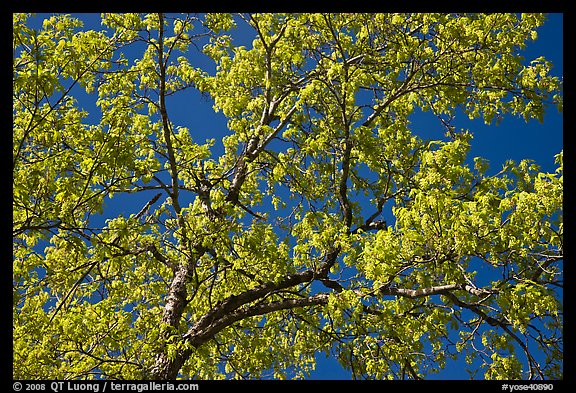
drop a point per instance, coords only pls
(512, 139)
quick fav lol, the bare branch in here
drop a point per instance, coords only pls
(438, 290)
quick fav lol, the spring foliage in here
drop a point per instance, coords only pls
(318, 221)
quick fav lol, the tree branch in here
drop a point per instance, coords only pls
(437, 290)
(228, 311)
(258, 309)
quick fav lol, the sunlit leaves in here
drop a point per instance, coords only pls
(319, 222)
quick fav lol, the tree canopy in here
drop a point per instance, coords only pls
(319, 223)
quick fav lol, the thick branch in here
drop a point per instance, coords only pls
(233, 302)
(258, 309)
(230, 310)
(174, 365)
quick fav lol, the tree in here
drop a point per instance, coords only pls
(322, 223)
